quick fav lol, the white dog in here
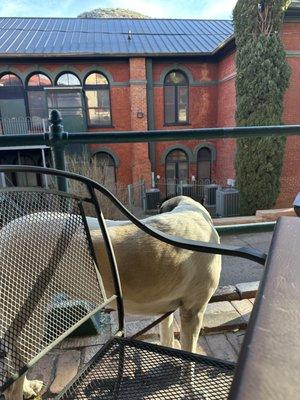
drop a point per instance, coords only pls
(157, 278)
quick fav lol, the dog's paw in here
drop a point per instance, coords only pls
(31, 389)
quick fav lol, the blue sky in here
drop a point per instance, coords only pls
(207, 9)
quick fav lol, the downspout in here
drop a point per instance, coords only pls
(150, 114)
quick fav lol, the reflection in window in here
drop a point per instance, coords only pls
(98, 101)
(204, 165)
(10, 80)
(68, 79)
(106, 167)
(68, 102)
(37, 97)
(11, 87)
(176, 98)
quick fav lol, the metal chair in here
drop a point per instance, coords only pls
(51, 285)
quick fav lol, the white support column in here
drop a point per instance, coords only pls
(2, 180)
(44, 177)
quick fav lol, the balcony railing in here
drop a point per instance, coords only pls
(23, 125)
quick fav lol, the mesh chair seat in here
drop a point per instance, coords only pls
(130, 369)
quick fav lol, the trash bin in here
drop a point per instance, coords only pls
(297, 205)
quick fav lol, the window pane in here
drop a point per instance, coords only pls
(99, 116)
(176, 155)
(10, 80)
(169, 104)
(204, 154)
(175, 78)
(68, 79)
(98, 98)
(204, 168)
(92, 99)
(39, 80)
(96, 79)
(182, 104)
(183, 170)
(37, 104)
(64, 100)
(98, 107)
(204, 163)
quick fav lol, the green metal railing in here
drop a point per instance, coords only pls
(57, 139)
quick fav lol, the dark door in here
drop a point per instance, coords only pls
(177, 171)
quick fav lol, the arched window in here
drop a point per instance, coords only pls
(67, 98)
(176, 92)
(106, 168)
(12, 104)
(11, 87)
(96, 88)
(68, 79)
(177, 170)
(36, 96)
(204, 165)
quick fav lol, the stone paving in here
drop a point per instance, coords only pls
(221, 337)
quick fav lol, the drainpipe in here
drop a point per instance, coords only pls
(150, 113)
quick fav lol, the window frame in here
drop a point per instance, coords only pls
(39, 88)
(210, 163)
(96, 87)
(67, 86)
(176, 104)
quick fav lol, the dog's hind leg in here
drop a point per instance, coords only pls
(167, 331)
(191, 322)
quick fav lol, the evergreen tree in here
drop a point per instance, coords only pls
(262, 79)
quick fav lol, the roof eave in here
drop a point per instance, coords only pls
(101, 55)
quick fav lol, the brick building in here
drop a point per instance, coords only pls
(124, 74)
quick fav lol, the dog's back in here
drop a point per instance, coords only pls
(155, 276)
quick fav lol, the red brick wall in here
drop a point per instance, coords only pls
(226, 117)
(290, 178)
(141, 168)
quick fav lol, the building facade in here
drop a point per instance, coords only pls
(148, 74)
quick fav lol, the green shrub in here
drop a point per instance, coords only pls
(262, 79)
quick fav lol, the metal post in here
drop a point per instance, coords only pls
(45, 177)
(143, 195)
(58, 150)
(2, 180)
(130, 200)
(181, 187)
